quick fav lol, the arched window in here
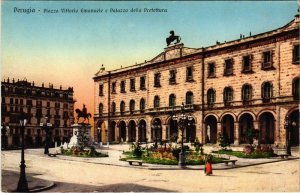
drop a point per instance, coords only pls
(156, 102)
(246, 93)
(189, 98)
(122, 107)
(228, 95)
(28, 91)
(142, 105)
(211, 97)
(113, 108)
(172, 100)
(132, 106)
(296, 88)
(2, 89)
(38, 92)
(100, 109)
(266, 91)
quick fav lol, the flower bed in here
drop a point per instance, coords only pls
(167, 156)
(77, 152)
(250, 152)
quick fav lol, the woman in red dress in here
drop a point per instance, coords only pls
(208, 165)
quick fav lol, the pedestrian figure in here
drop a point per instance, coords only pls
(208, 165)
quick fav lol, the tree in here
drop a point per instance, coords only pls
(223, 141)
(252, 134)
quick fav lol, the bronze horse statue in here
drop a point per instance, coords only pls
(83, 113)
(172, 38)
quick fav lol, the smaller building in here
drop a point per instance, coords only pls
(41, 104)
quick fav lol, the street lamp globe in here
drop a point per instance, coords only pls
(23, 122)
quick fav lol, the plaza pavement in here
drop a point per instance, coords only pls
(9, 182)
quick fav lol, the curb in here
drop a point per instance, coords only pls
(51, 185)
(177, 168)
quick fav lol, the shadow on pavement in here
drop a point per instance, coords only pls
(121, 187)
(9, 181)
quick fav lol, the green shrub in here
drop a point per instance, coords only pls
(136, 149)
(240, 154)
(223, 141)
(198, 146)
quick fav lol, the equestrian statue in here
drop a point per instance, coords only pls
(172, 38)
(83, 113)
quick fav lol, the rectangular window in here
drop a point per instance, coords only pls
(48, 114)
(3, 109)
(101, 90)
(113, 87)
(122, 86)
(11, 101)
(267, 60)
(142, 82)
(57, 105)
(211, 70)
(65, 123)
(16, 101)
(39, 113)
(57, 122)
(21, 101)
(296, 57)
(228, 67)
(157, 80)
(48, 104)
(3, 100)
(247, 64)
(172, 79)
(65, 115)
(132, 84)
(29, 102)
(189, 73)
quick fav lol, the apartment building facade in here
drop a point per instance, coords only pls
(40, 104)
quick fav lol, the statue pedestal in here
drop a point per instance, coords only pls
(81, 130)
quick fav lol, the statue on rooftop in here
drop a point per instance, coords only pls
(172, 38)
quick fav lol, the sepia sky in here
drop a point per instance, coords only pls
(68, 48)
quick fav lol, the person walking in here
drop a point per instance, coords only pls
(208, 164)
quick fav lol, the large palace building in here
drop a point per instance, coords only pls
(41, 105)
(228, 88)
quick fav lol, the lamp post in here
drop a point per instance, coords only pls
(155, 126)
(46, 127)
(22, 184)
(183, 121)
(287, 126)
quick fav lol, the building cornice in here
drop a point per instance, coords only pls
(242, 43)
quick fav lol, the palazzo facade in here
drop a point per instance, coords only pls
(228, 88)
(37, 102)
